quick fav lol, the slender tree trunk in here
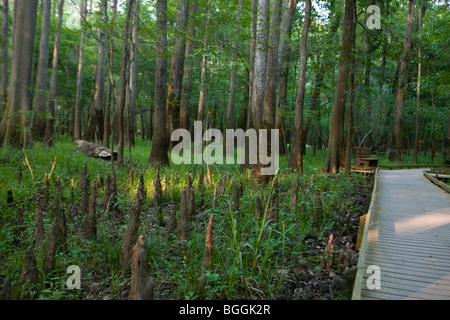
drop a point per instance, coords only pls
(188, 66)
(359, 65)
(49, 137)
(133, 75)
(231, 97)
(378, 129)
(94, 129)
(283, 61)
(159, 147)
(395, 153)
(40, 93)
(110, 86)
(352, 100)
(13, 128)
(272, 68)
(249, 113)
(4, 64)
(282, 103)
(176, 71)
(420, 16)
(78, 101)
(203, 87)
(336, 144)
(296, 156)
(123, 80)
(269, 91)
(286, 30)
(259, 72)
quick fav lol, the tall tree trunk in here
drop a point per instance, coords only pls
(296, 156)
(336, 144)
(78, 101)
(378, 128)
(270, 89)
(249, 113)
(420, 16)
(13, 128)
(40, 93)
(49, 136)
(110, 86)
(188, 66)
(395, 152)
(359, 65)
(159, 147)
(4, 65)
(176, 71)
(231, 97)
(272, 68)
(283, 60)
(94, 128)
(352, 101)
(133, 75)
(119, 130)
(203, 88)
(259, 72)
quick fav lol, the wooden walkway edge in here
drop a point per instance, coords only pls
(407, 238)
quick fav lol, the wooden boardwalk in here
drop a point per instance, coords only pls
(408, 238)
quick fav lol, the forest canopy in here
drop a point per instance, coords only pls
(89, 69)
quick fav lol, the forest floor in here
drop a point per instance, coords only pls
(254, 257)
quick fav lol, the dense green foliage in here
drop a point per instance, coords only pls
(374, 109)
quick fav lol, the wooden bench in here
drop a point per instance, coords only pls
(363, 162)
(363, 169)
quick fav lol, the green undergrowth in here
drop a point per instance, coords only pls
(250, 253)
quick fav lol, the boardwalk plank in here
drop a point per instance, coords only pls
(408, 237)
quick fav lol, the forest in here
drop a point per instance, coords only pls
(99, 100)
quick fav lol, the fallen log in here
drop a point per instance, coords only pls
(94, 150)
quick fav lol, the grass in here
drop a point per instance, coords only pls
(408, 160)
(250, 254)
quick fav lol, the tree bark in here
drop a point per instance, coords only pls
(159, 148)
(420, 16)
(272, 68)
(203, 90)
(352, 101)
(176, 71)
(40, 93)
(260, 64)
(49, 136)
(119, 130)
(133, 75)
(94, 129)
(296, 156)
(188, 66)
(248, 110)
(231, 96)
(395, 152)
(283, 60)
(269, 90)
(110, 86)
(4, 64)
(78, 101)
(334, 157)
(13, 128)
